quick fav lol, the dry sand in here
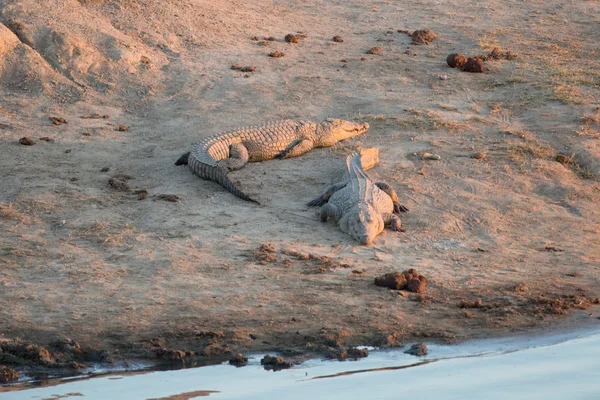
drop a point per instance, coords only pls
(82, 259)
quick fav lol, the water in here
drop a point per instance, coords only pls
(562, 367)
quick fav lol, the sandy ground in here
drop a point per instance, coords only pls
(83, 260)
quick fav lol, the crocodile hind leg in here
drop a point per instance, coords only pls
(392, 221)
(324, 198)
(238, 157)
(297, 148)
(330, 211)
(392, 193)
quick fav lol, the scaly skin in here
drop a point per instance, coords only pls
(213, 157)
(361, 207)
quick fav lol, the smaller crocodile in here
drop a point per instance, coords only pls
(361, 207)
(212, 157)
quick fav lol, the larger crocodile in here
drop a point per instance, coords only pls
(213, 157)
(361, 207)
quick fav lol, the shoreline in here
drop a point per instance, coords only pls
(533, 338)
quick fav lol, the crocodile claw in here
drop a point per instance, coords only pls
(399, 208)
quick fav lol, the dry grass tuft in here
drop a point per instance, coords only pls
(9, 212)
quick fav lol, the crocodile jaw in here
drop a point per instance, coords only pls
(347, 129)
(364, 226)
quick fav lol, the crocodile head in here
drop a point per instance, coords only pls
(365, 224)
(331, 131)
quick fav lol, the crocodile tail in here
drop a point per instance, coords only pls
(217, 174)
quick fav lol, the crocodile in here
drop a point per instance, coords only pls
(361, 207)
(213, 157)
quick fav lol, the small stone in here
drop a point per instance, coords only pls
(105, 169)
(26, 141)
(429, 156)
(443, 77)
(47, 139)
(68, 150)
(275, 363)
(123, 128)
(118, 184)
(338, 39)
(363, 59)
(141, 194)
(478, 156)
(418, 350)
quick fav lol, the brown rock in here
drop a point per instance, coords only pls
(418, 350)
(26, 141)
(456, 60)
(394, 280)
(8, 375)
(243, 69)
(58, 120)
(416, 285)
(239, 360)
(123, 128)
(425, 36)
(291, 38)
(473, 65)
(338, 39)
(275, 363)
(375, 50)
(277, 54)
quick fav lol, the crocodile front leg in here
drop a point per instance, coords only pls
(238, 157)
(297, 148)
(392, 193)
(324, 198)
(330, 211)
(392, 221)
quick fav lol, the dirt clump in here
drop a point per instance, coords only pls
(562, 304)
(58, 120)
(456, 60)
(275, 363)
(24, 353)
(8, 375)
(277, 54)
(240, 68)
(418, 350)
(473, 65)
(495, 54)
(424, 36)
(142, 194)
(520, 287)
(338, 39)
(239, 360)
(118, 184)
(26, 141)
(407, 280)
(264, 254)
(91, 116)
(375, 50)
(564, 159)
